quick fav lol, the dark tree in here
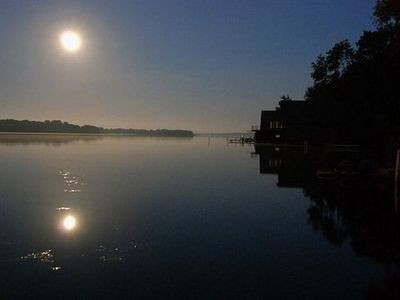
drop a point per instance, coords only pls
(356, 88)
(286, 98)
(387, 13)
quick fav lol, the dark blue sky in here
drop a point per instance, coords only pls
(209, 66)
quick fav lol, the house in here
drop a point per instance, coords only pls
(292, 122)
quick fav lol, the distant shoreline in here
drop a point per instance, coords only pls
(11, 126)
(89, 134)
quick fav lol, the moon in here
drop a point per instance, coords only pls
(70, 41)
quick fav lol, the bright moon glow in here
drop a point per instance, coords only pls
(69, 222)
(70, 41)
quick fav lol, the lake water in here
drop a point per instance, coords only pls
(120, 217)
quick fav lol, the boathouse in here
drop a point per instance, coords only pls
(291, 122)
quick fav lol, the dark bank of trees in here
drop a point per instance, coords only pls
(57, 126)
(357, 88)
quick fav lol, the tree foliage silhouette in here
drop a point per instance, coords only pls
(359, 85)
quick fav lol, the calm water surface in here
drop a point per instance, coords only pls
(172, 218)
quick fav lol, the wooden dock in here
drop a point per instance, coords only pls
(240, 140)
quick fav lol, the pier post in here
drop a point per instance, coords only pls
(305, 146)
(396, 182)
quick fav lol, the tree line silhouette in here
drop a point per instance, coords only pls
(57, 126)
(356, 88)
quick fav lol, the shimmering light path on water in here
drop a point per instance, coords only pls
(165, 218)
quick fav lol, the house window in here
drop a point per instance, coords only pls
(277, 136)
(275, 124)
(274, 163)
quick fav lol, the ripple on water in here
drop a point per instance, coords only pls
(63, 208)
(115, 254)
(72, 183)
(43, 256)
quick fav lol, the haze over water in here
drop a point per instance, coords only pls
(162, 218)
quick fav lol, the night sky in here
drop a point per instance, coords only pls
(206, 65)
